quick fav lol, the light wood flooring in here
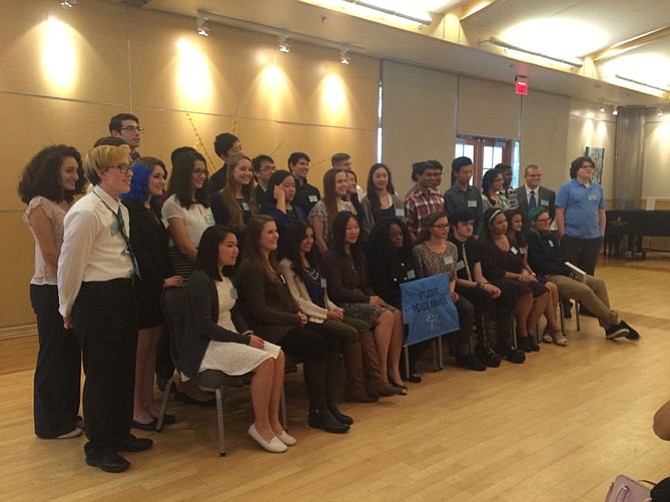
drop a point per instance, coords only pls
(558, 428)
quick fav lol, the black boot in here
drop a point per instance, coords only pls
(484, 351)
(331, 389)
(320, 416)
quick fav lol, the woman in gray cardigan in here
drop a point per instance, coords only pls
(217, 338)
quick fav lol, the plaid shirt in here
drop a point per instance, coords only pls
(420, 204)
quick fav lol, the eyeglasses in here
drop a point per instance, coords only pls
(199, 172)
(543, 220)
(123, 168)
(133, 129)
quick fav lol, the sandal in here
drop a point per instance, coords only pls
(559, 338)
(546, 336)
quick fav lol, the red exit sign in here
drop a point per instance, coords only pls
(521, 85)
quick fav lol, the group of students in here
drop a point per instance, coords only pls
(269, 270)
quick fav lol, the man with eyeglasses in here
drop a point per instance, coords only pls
(423, 199)
(263, 166)
(127, 127)
(545, 258)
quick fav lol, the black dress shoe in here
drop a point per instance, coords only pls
(339, 416)
(151, 426)
(109, 463)
(321, 418)
(414, 378)
(134, 444)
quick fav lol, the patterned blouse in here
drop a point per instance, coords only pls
(429, 263)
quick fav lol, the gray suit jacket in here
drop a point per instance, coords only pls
(545, 198)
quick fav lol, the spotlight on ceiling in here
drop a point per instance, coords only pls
(67, 4)
(201, 25)
(602, 107)
(283, 44)
(344, 56)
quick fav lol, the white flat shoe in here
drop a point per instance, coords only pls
(273, 446)
(76, 432)
(287, 439)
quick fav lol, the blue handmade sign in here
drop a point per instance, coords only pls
(428, 308)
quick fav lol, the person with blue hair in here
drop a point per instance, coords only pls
(149, 241)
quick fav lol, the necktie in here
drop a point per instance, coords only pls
(532, 202)
(124, 234)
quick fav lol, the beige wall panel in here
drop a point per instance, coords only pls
(16, 269)
(583, 132)
(544, 130)
(418, 119)
(40, 122)
(656, 176)
(321, 142)
(74, 55)
(488, 109)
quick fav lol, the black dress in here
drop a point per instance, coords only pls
(149, 240)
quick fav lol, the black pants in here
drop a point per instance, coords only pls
(581, 252)
(461, 343)
(58, 370)
(104, 321)
(312, 349)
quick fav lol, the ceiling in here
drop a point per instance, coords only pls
(455, 40)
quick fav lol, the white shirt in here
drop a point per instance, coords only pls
(197, 218)
(536, 191)
(94, 249)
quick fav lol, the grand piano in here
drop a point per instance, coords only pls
(628, 227)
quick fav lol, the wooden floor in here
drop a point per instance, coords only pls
(558, 428)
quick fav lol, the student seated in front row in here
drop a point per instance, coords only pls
(545, 256)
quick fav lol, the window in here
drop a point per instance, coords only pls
(486, 153)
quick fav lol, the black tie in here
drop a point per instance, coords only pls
(124, 234)
(532, 202)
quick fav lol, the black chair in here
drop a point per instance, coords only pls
(173, 302)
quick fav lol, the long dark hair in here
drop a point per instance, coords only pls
(208, 252)
(489, 215)
(372, 190)
(181, 180)
(42, 175)
(277, 178)
(297, 232)
(354, 265)
(353, 197)
(518, 237)
(488, 180)
(379, 249)
(330, 196)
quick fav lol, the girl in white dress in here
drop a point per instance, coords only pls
(217, 338)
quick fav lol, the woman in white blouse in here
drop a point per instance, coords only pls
(186, 212)
(48, 185)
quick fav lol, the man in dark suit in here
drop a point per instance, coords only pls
(531, 194)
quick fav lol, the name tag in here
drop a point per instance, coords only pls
(324, 283)
(514, 250)
(472, 203)
(233, 294)
(281, 277)
(551, 244)
(245, 206)
(400, 213)
(209, 219)
(411, 274)
(593, 197)
(460, 265)
(448, 259)
(544, 202)
(114, 227)
(312, 198)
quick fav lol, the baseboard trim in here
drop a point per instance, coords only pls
(18, 331)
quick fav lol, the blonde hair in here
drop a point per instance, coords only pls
(102, 158)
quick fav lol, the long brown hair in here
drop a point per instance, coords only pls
(330, 197)
(426, 225)
(236, 215)
(252, 248)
